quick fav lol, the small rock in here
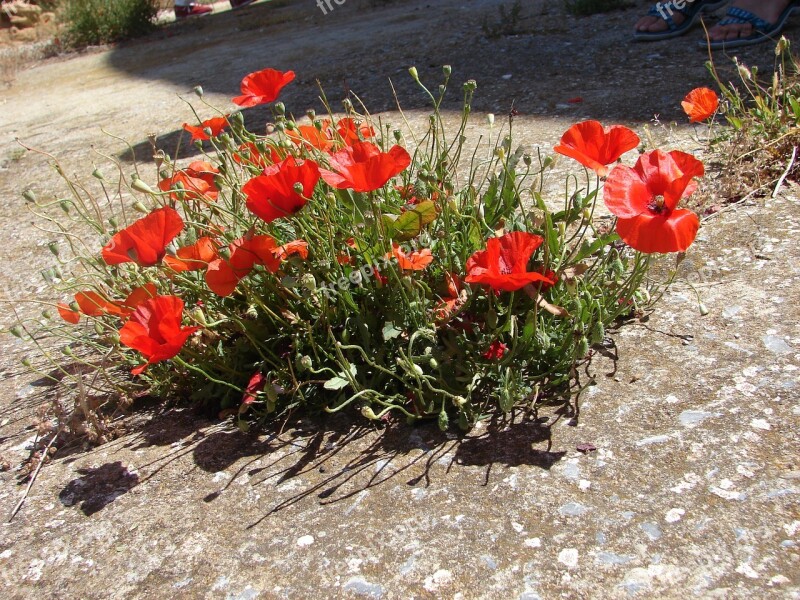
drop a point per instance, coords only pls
(569, 557)
(305, 540)
(674, 515)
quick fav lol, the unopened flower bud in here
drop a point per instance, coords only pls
(443, 421)
(64, 204)
(527, 159)
(98, 175)
(306, 363)
(280, 108)
(66, 350)
(29, 196)
(348, 104)
(199, 316)
(140, 186)
(781, 46)
(198, 90)
(490, 119)
(16, 331)
(414, 74)
(98, 328)
(139, 207)
(26, 362)
(397, 135)
(53, 246)
(298, 188)
(433, 363)
(470, 85)
(447, 70)
(47, 314)
(368, 413)
(745, 73)
(114, 222)
(74, 306)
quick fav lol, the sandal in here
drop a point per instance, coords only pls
(762, 30)
(691, 11)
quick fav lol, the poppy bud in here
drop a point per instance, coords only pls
(114, 222)
(305, 363)
(526, 158)
(470, 86)
(64, 204)
(278, 127)
(368, 413)
(443, 421)
(29, 196)
(348, 104)
(26, 362)
(280, 108)
(490, 119)
(140, 186)
(139, 207)
(53, 246)
(745, 73)
(236, 118)
(198, 144)
(308, 282)
(198, 90)
(290, 125)
(459, 401)
(98, 328)
(598, 333)
(47, 314)
(225, 253)
(447, 70)
(397, 135)
(311, 114)
(782, 45)
(703, 310)
(414, 74)
(271, 391)
(74, 306)
(199, 316)
(298, 188)
(418, 370)
(442, 89)
(16, 331)
(583, 347)
(98, 175)
(433, 363)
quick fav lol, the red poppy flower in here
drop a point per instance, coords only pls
(645, 198)
(196, 182)
(262, 87)
(503, 266)
(595, 147)
(411, 261)
(138, 296)
(452, 299)
(248, 153)
(362, 167)
(93, 304)
(297, 247)
(351, 131)
(272, 195)
(700, 104)
(255, 385)
(216, 125)
(66, 313)
(309, 136)
(154, 329)
(193, 258)
(496, 350)
(222, 276)
(144, 242)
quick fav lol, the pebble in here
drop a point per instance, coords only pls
(305, 540)
(674, 515)
(569, 557)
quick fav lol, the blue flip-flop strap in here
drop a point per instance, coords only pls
(664, 15)
(739, 16)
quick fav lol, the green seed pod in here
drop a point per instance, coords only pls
(617, 268)
(114, 222)
(98, 328)
(447, 70)
(47, 314)
(443, 421)
(311, 114)
(280, 108)
(53, 247)
(414, 74)
(470, 85)
(74, 306)
(139, 207)
(368, 413)
(64, 204)
(236, 118)
(198, 91)
(298, 188)
(26, 363)
(397, 135)
(418, 370)
(67, 351)
(17, 331)
(98, 175)
(305, 363)
(29, 196)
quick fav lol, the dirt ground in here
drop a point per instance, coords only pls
(693, 488)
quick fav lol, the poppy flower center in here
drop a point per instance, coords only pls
(658, 205)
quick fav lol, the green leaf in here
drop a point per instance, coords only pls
(588, 249)
(336, 383)
(408, 225)
(390, 331)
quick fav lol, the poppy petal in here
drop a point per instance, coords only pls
(654, 233)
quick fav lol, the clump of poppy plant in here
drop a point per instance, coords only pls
(326, 266)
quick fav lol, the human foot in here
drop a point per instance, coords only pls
(738, 27)
(671, 19)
